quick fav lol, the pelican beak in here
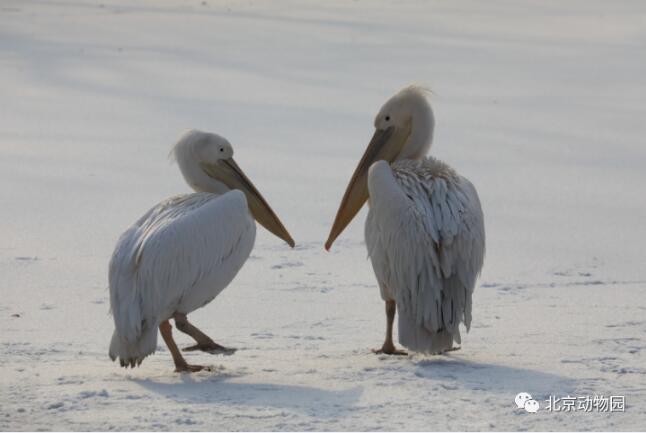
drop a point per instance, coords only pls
(385, 145)
(228, 172)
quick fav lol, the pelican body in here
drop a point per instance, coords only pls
(184, 251)
(424, 231)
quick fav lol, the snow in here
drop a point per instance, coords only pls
(539, 104)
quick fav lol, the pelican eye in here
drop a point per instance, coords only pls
(387, 118)
(222, 149)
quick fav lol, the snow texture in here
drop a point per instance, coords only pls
(539, 104)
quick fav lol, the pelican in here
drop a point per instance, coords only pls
(184, 251)
(424, 231)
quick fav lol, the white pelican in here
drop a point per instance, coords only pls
(184, 251)
(425, 228)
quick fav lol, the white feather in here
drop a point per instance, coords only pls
(176, 258)
(426, 240)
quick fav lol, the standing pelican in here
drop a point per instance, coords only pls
(184, 251)
(425, 229)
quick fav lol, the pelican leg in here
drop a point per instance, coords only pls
(389, 347)
(180, 363)
(204, 342)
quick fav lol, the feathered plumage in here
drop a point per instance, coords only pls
(175, 258)
(426, 241)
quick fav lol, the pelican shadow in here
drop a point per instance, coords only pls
(451, 372)
(220, 390)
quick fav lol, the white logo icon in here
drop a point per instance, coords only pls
(521, 398)
(531, 406)
(525, 401)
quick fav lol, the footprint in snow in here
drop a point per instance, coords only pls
(26, 259)
(89, 394)
(262, 335)
(288, 265)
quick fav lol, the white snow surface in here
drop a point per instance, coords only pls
(539, 103)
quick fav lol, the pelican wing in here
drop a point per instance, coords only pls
(175, 246)
(425, 236)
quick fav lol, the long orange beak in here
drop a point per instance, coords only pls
(231, 174)
(385, 145)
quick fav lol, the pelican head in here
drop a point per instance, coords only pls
(206, 162)
(403, 130)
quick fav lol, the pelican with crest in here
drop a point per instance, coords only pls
(184, 251)
(424, 231)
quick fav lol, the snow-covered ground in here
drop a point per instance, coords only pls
(539, 103)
